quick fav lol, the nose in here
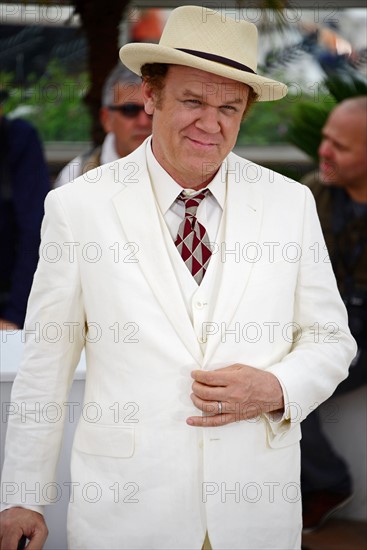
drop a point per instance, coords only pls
(325, 149)
(208, 120)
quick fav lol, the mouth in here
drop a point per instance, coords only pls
(326, 168)
(202, 144)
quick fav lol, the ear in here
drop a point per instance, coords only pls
(105, 118)
(148, 98)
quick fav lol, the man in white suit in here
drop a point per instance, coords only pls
(198, 373)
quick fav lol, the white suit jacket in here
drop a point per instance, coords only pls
(142, 478)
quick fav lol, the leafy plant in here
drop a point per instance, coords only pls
(266, 123)
(309, 117)
(304, 130)
(54, 104)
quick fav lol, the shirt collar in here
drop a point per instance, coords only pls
(166, 189)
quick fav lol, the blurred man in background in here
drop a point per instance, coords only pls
(24, 184)
(340, 190)
(124, 120)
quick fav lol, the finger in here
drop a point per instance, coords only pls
(208, 407)
(208, 393)
(10, 541)
(17, 522)
(210, 421)
(216, 407)
(211, 378)
(37, 541)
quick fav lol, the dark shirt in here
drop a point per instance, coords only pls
(344, 225)
(24, 184)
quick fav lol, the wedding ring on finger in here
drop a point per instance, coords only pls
(219, 407)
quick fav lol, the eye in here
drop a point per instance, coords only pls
(192, 102)
(229, 109)
(341, 148)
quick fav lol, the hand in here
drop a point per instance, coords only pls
(16, 522)
(245, 392)
(8, 325)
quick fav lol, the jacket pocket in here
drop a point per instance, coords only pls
(101, 440)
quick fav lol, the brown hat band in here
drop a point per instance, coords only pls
(218, 59)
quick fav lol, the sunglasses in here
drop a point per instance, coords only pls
(128, 110)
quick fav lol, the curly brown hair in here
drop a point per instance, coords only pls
(154, 74)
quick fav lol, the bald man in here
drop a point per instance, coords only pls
(340, 190)
(343, 160)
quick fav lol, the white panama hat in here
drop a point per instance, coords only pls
(205, 39)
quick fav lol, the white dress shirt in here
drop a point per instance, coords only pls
(166, 191)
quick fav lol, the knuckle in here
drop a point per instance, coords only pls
(205, 394)
(210, 379)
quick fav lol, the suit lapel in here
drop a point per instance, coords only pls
(242, 223)
(138, 214)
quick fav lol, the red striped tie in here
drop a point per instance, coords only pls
(192, 240)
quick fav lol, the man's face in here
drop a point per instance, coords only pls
(195, 122)
(342, 150)
(130, 131)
